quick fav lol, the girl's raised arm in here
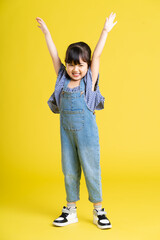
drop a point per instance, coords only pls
(51, 46)
(99, 47)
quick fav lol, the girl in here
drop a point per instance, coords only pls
(76, 97)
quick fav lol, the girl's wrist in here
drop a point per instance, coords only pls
(105, 30)
(46, 32)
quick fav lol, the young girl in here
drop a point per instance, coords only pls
(76, 97)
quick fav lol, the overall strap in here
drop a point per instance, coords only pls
(82, 86)
(66, 81)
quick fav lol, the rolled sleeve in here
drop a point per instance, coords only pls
(94, 98)
(53, 101)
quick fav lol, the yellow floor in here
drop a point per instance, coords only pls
(132, 205)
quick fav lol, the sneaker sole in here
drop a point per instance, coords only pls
(64, 224)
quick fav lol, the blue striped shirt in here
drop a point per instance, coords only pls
(94, 99)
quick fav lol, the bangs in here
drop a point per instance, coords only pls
(74, 56)
(78, 50)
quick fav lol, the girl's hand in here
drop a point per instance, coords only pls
(109, 22)
(42, 26)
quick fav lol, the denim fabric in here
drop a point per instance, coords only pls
(94, 99)
(80, 149)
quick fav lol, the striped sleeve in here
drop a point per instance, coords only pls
(53, 101)
(94, 98)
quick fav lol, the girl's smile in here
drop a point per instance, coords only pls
(78, 71)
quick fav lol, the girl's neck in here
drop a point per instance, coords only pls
(73, 83)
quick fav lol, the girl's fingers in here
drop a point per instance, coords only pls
(113, 15)
(39, 19)
(115, 23)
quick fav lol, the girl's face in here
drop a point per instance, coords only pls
(77, 72)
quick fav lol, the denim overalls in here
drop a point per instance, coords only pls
(79, 145)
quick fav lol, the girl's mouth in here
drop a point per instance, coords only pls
(75, 74)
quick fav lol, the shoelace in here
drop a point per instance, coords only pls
(101, 212)
(68, 210)
(65, 210)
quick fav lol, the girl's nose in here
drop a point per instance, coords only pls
(75, 67)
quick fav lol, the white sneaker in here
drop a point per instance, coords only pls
(100, 219)
(68, 216)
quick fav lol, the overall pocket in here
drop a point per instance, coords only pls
(72, 120)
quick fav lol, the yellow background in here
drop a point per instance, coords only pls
(32, 191)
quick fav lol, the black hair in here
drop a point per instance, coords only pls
(78, 50)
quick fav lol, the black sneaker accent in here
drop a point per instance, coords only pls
(64, 216)
(69, 215)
